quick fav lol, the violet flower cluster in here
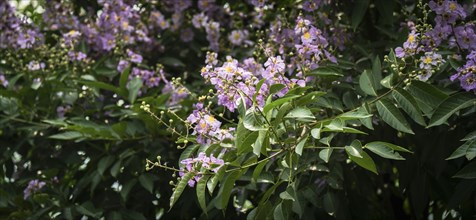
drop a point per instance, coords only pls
(207, 127)
(200, 164)
(467, 73)
(14, 32)
(33, 186)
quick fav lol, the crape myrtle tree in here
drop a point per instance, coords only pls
(256, 109)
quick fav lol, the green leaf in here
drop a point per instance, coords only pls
(126, 189)
(254, 121)
(377, 71)
(257, 170)
(301, 114)
(244, 138)
(469, 136)
(325, 154)
(468, 149)
(134, 85)
(68, 135)
(316, 133)
(367, 122)
(409, 105)
(300, 145)
(201, 190)
(212, 183)
(325, 71)
(88, 209)
(276, 88)
(351, 115)
(278, 102)
(104, 163)
(383, 150)
(278, 213)
(171, 61)
(358, 12)
(450, 106)
(259, 142)
(365, 161)
(392, 116)
(180, 187)
(100, 85)
(427, 95)
(147, 181)
(353, 151)
(468, 172)
(225, 189)
(388, 81)
(336, 124)
(124, 78)
(368, 83)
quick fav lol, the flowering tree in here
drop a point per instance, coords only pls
(139, 109)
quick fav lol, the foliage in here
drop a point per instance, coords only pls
(140, 109)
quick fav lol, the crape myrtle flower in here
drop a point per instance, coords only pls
(71, 37)
(467, 73)
(76, 56)
(182, 5)
(428, 63)
(439, 33)
(14, 32)
(213, 34)
(258, 3)
(33, 186)
(206, 5)
(186, 35)
(465, 36)
(35, 65)
(199, 20)
(409, 47)
(62, 110)
(237, 37)
(149, 78)
(448, 11)
(133, 57)
(122, 65)
(199, 163)
(311, 5)
(206, 127)
(3, 81)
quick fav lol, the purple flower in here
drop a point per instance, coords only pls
(311, 5)
(135, 58)
(237, 37)
(258, 3)
(439, 33)
(468, 81)
(123, 64)
(3, 81)
(466, 37)
(199, 20)
(187, 35)
(26, 40)
(273, 65)
(76, 56)
(106, 42)
(71, 37)
(35, 65)
(33, 186)
(62, 110)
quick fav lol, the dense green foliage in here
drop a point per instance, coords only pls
(141, 109)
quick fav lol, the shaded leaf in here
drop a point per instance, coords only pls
(450, 106)
(409, 105)
(180, 187)
(392, 116)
